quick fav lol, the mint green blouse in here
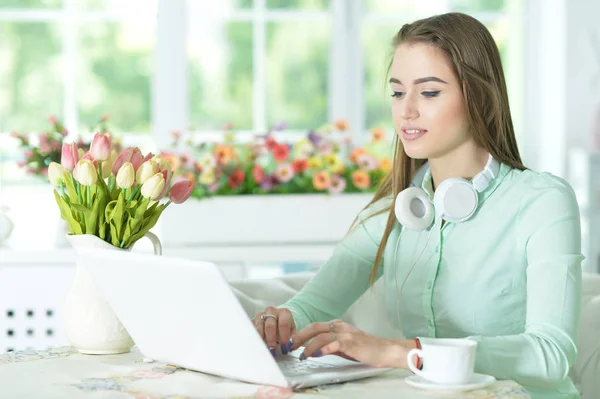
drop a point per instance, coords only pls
(509, 278)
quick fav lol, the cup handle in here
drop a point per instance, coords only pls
(155, 242)
(409, 361)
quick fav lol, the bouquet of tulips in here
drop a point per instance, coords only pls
(116, 197)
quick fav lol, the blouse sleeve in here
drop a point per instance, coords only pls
(344, 277)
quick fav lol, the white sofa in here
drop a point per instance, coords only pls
(367, 314)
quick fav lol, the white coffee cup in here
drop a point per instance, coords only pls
(445, 361)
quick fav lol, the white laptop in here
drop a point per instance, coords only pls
(184, 313)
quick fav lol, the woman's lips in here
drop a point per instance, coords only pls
(410, 134)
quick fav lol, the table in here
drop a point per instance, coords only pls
(63, 373)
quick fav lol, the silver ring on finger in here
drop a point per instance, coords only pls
(331, 326)
(265, 316)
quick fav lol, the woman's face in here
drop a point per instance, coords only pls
(427, 106)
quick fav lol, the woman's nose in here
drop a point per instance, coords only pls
(409, 110)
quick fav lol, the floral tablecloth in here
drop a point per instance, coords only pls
(64, 373)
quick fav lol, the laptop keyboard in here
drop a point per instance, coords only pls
(291, 366)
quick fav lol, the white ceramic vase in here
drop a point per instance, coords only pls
(90, 325)
(6, 225)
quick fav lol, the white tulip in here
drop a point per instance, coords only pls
(153, 186)
(126, 175)
(56, 174)
(87, 173)
(146, 171)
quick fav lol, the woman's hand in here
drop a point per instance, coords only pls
(275, 325)
(340, 338)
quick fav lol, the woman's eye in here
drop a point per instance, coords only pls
(431, 93)
(398, 94)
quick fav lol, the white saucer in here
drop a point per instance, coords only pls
(478, 381)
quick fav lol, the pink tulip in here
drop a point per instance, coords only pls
(181, 191)
(124, 156)
(167, 175)
(137, 159)
(69, 156)
(133, 155)
(100, 147)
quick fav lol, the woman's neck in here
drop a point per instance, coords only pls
(465, 161)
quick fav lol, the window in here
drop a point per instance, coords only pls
(77, 60)
(251, 63)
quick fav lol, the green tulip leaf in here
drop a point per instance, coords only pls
(67, 215)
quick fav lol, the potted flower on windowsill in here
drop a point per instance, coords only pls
(108, 201)
(275, 191)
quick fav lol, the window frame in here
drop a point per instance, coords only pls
(170, 96)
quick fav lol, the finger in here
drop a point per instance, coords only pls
(314, 348)
(312, 330)
(335, 347)
(300, 337)
(286, 327)
(270, 324)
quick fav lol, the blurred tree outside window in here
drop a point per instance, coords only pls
(251, 63)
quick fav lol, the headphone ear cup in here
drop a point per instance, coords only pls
(413, 209)
(455, 200)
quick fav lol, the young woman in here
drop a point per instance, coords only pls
(482, 248)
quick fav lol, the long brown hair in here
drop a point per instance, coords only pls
(475, 59)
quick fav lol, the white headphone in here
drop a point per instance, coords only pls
(455, 200)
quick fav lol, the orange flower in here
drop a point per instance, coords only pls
(173, 159)
(361, 179)
(322, 180)
(341, 125)
(385, 165)
(223, 153)
(377, 134)
(356, 153)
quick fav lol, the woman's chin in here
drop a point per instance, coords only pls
(416, 151)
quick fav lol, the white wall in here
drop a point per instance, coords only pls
(560, 100)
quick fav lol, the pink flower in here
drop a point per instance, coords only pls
(337, 185)
(52, 119)
(69, 156)
(284, 172)
(133, 155)
(258, 173)
(45, 147)
(100, 147)
(27, 153)
(181, 191)
(366, 162)
(324, 147)
(268, 392)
